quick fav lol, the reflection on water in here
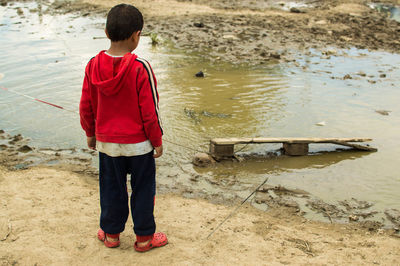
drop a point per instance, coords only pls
(46, 57)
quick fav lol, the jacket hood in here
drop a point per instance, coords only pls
(103, 75)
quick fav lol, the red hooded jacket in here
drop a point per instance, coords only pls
(119, 101)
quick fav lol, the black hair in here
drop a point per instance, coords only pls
(122, 21)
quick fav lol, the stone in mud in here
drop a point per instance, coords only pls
(382, 75)
(17, 138)
(275, 55)
(200, 74)
(25, 149)
(361, 73)
(199, 24)
(20, 12)
(202, 159)
(347, 76)
(296, 10)
(353, 218)
(330, 52)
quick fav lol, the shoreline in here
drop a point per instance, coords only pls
(17, 154)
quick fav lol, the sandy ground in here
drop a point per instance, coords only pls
(50, 216)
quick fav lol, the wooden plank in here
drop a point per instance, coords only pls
(355, 146)
(232, 141)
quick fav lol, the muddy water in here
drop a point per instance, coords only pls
(44, 57)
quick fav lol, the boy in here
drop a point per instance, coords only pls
(120, 116)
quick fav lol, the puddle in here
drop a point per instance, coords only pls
(391, 11)
(343, 88)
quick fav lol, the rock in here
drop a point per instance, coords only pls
(202, 159)
(275, 55)
(230, 37)
(25, 149)
(347, 76)
(200, 74)
(20, 12)
(295, 10)
(353, 218)
(382, 75)
(198, 24)
(361, 73)
(330, 52)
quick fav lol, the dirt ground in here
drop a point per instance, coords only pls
(49, 215)
(258, 31)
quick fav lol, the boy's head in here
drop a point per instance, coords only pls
(122, 21)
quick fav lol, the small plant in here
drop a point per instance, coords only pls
(154, 38)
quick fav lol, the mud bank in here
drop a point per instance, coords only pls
(257, 32)
(16, 154)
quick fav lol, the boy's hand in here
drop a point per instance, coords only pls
(159, 151)
(91, 142)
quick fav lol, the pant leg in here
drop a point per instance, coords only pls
(143, 183)
(113, 193)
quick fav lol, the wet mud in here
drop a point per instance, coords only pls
(259, 32)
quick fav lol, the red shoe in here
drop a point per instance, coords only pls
(158, 240)
(103, 237)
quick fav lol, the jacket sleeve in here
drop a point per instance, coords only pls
(148, 104)
(85, 107)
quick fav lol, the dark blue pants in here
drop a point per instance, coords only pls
(114, 194)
